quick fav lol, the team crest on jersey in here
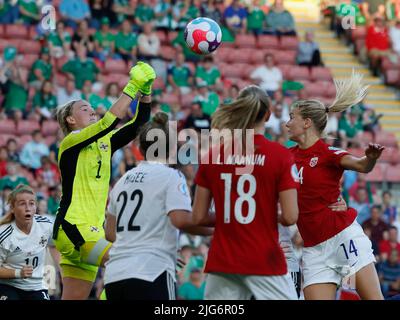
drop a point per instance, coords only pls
(43, 241)
(313, 162)
(94, 229)
(103, 146)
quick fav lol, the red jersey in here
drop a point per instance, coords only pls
(245, 239)
(319, 176)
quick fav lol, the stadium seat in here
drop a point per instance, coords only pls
(1, 31)
(23, 140)
(286, 57)
(395, 157)
(392, 76)
(357, 152)
(314, 89)
(169, 98)
(9, 42)
(359, 44)
(115, 66)
(229, 71)
(387, 64)
(289, 43)
(7, 127)
(112, 77)
(49, 140)
(32, 33)
(358, 33)
(366, 137)
(378, 174)
(26, 127)
(241, 56)
(168, 53)
(321, 73)
(61, 79)
(386, 155)
(247, 70)
(16, 31)
(330, 89)
(393, 173)
(187, 99)
(30, 46)
(27, 60)
(386, 139)
(24, 72)
(267, 42)
(49, 128)
(298, 73)
(245, 41)
(192, 67)
(4, 138)
(257, 57)
(159, 84)
(285, 69)
(123, 80)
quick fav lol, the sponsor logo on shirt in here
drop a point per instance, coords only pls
(103, 146)
(17, 249)
(295, 173)
(313, 162)
(94, 229)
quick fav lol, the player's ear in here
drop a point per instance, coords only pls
(307, 123)
(267, 115)
(70, 120)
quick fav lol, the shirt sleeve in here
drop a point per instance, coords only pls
(289, 177)
(178, 196)
(335, 155)
(111, 208)
(3, 255)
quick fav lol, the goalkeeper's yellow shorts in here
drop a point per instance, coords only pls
(82, 264)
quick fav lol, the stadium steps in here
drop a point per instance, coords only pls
(304, 11)
(341, 61)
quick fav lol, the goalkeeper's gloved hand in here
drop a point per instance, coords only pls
(142, 76)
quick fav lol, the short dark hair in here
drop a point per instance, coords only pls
(386, 192)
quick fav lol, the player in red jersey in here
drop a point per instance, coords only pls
(335, 246)
(245, 258)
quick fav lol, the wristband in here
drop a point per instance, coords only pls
(133, 106)
(18, 273)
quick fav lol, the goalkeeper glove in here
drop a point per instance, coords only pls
(142, 76)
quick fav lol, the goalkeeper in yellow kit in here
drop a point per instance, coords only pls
(85, 165)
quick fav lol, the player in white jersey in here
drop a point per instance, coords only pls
(147, 207)
(23, 241)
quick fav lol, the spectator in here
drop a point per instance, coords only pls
(363, 183)
(144, 13)
(100, 9)
(124, 9)
(232, 94)
(235, 16)
(104, 41)
(41, 70)
(60, 42)
(376, 224)
(389, 274)
(68, 93)
(3, 161)
(73, 12)
(279, 21)
(48, 174)
(12, 149)
(360, 203)
(332, 126)
(392, 243)
(12, 179)
(126, 43)
(33, 151)
(81, 68)
(350, 129)
(29, 12)
(128, 162)
(148, 43)
(394, 35)
(308, 53)
(197, 119)
(210, 9)
(208, 99)
(4, 206)
(9, 12)
(194, 288)
(112, 95)
(389, 210)
(53, 201)
(208, 72)
(256, 18)
(44, 101)
(185, 11)
(268, 76)
(374, 244)
(179, 76)
(181, 46)
(55, 146)
(82, 37)
(278, 117)
(13, 85)
(163, 15)
(377, 43)
(95, 100)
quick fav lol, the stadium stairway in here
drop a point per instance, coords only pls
(341, 61)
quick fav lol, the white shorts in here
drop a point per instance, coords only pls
(222, 286)
(338, 257)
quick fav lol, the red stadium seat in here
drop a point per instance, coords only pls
(168, 53)
(247, 70)
(50, 128)
(1, 31)
(314, 89)
(289, 43)
(360, 44)
(286, 57)
(7, 127)
(321, 73)
(392, 76)
(330, 89)
(393, 173)
(267, 42)
(30, 46)
(115, 66)
(28, 60)
(357, 152)
(16, 31)
(187, 99)
(32, 33)
(395, 157)
(366, 137)
(23, 140)
(26, 127)
(298, 73)
(123, 80)
(112, 77)
(229, 71)
(257, 57)
(358, 33)
(49, 140)
(9, 42)
(241, 56)
(223, 53)
(169, 98)
(245, 41)
(378, 173)
(387, 64)
(159, 84)
(386, 155)
(386, 139)
(285, 69)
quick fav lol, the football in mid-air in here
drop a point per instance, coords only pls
(203, 35)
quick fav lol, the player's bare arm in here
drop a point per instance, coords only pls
(366, 163)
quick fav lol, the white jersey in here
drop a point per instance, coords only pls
(18, 249)
(147, 242)
(285, 236)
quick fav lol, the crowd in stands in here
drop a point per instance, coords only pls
(93, 46)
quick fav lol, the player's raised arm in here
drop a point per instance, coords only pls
(364, 164)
